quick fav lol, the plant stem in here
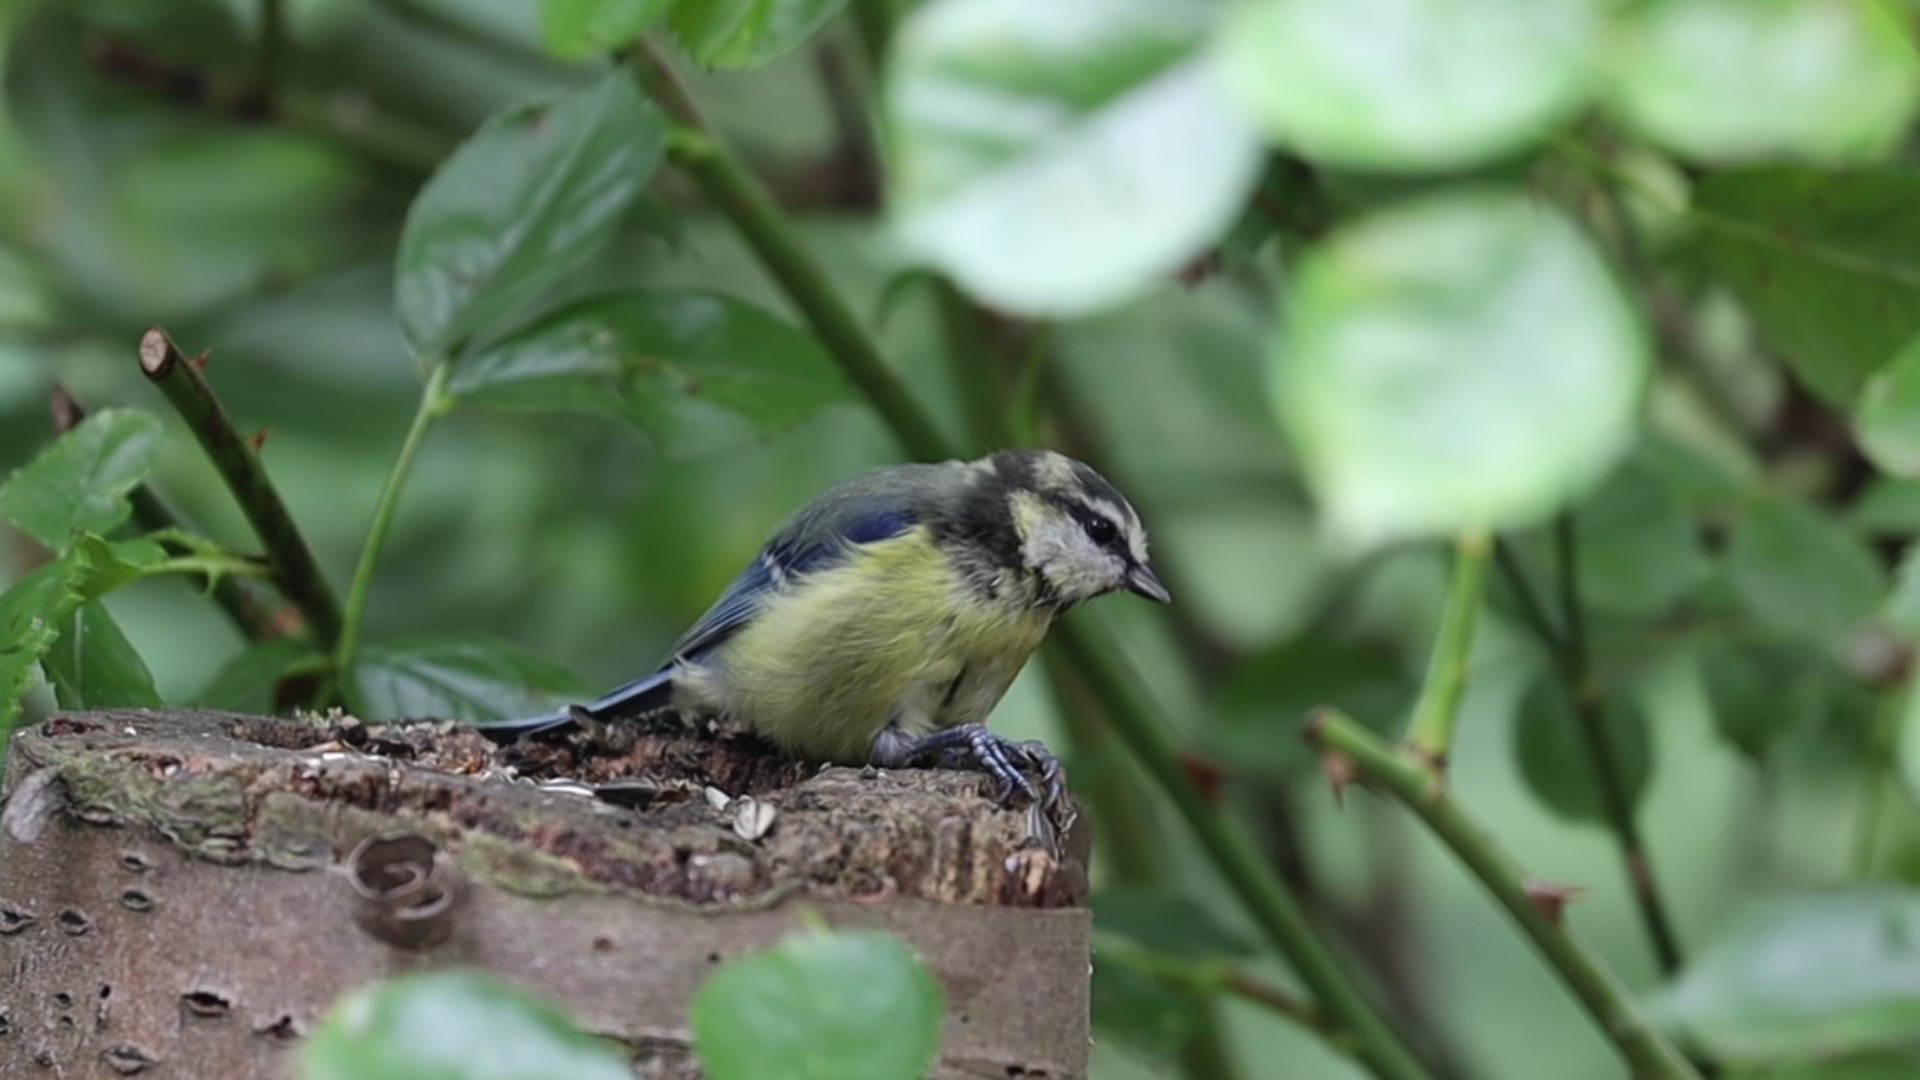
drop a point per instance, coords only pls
(1274, 909)
(1214, 975)
(433, 402)
(1411, 780)
(1431, 733)
(1531, 609)
(290, 560)
(270, 54)
(1590, 712)
(972, 359)
(735, 193)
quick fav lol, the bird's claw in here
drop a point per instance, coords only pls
(974, 747)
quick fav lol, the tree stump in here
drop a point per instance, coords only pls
(182, 894)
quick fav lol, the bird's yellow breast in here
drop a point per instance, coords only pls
(892, 634)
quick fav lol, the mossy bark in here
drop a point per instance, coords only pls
(182, 894)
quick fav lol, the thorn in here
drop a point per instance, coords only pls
(259, 438)
(66, 412)
(1551, 899)
(1340, 773)
(198, 361)
(1204, 775)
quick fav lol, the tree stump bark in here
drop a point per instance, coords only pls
(182, 894)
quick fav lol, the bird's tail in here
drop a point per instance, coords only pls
(637, 698)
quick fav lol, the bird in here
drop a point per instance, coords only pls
(885, 619)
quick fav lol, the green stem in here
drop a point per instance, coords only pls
(1531, 609)
(1435, 714)
(290, 560)
(433, 403)
(1214, 976)
(1412, 781)
(734, 192)
(973, 361)
(1274, 909)
(1590, 712)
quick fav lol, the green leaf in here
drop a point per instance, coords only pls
(1886, 420)
(1889, 1067)
(1383, 84)
(827, 1006)
(1464, 361)
(577, 29)
(1164, 922)
(1084, 135)
(94, 666)
(1887, 508)
(524, 202)
(699, 371)
(1906, 745)
(245, 683)
(464, 677)
(1640, 550)
(1799, 572)
(1138, 1010)
(1553, 755)
(81, 480)
(1262, 704)
(1721, 79)
(1810, 977)
(1826, 262)
(747, 33)
(38, 611)
(452, 1026)
(30, 614)
(1759, 692)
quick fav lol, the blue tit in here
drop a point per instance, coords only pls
(886, 618)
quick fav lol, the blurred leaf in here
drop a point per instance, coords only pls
(1810, 977)
(1884, 1068)
(245, 683)
(452, 1026)
(1138, 1010)
(699, 371)
(1801, 573)
(1888, 506)
(1902, 607)
(577, 29)
(1906, 745)
(1640, 550)
(819, 1006)
(454, 677)
(1553, 755)
(1084, 134)
(1886, 419)
(94, 666)
(81, 480)
(1758, 692)
(1164, 922)
(747, 33)
(524, 202)
(1464, 361)
(1826, 262)
(1262, 704)
(1722, 79)
(1384, 84)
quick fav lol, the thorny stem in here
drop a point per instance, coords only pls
(1411, 780)
(1431, 733)
(433, 403)
(1216, 975)
(290, 560)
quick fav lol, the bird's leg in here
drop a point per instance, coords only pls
(972, 746)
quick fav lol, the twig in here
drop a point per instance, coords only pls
(152, 514)
(1531, 609)
(737, 194)
(290, 561)
(1589, 710)
(1431, 733)
(1412, 781)
(1218, 975)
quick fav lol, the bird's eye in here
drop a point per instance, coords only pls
(1100, 530)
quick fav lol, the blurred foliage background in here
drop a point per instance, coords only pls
(1626, 288)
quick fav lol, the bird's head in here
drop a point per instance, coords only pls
(1077, 534)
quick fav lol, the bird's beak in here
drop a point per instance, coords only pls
(1141, 579)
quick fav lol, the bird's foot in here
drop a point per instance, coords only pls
(972, 746)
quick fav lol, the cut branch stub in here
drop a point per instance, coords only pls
(232, 875)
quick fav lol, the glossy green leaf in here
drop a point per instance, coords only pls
(1464, 361)
(1554, 758)
(245, 683)
(1887, 418)
(1388, 84)
(1758, 692)
(699, 371)
(1149, 1015)
(577, 29)
(1725, 79)
(454, 677)
(1826, 262)
(452, 1026)
(1261, 706)
(1814, 976)
(1165, 922)
(524, 202)
(827, 1006)
(94, 666)
(1639, 547)
(1058, 158)
(81, 480)
(747, 33)
(1801, 573)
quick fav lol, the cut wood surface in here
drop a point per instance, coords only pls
(183, 893)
